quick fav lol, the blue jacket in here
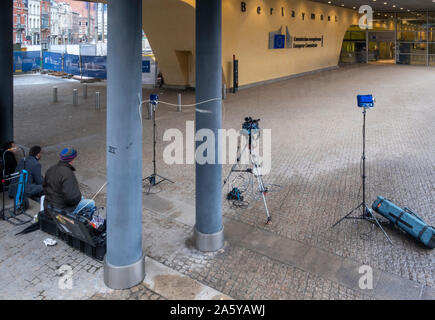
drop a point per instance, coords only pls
(34, 178)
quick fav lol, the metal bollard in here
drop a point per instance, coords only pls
(150, 111)
(55, 94)
(224, 91)
(85, 90)
(97, 101)
(179, 103)
(75, 97)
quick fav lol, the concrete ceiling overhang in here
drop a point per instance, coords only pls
(384, 5)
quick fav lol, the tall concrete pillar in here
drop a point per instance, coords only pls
(208, 231)
(6, 72)
(124, 263)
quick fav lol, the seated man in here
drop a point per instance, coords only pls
(61, 187)
(33, 188)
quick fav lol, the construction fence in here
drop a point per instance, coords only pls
(76, 65)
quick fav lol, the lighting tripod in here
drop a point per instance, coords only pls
(255, 170)
(367, 213)
(153, 178)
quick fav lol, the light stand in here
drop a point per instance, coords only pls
(153, 179)
(365, 102)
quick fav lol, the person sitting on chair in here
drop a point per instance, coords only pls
(61, 187)
(33, 188)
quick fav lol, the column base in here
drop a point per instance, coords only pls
(124, 277)
(208, 242)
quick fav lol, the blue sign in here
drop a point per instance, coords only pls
(146, 66)
(279, 41)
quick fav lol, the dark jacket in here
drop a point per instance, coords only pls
(34, 178)
(9, 164)
(61, 187)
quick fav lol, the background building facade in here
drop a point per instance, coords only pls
(34, 28)
(20, 13)
(45, 23)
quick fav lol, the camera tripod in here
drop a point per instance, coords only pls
(255, 169)
(367, 213)
(153, 178)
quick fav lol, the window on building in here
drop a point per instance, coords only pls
(412, 38)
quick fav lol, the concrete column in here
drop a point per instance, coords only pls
(208, 231)
(124, 262)
(6, 71)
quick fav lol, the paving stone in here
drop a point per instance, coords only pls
(321, 262)
(348, 274)
(428, 293)
(392, 287)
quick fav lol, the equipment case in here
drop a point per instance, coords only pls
(406, 220)
(75, 231)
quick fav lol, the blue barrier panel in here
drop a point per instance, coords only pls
(52, 61)
(71, 64)
(26, 61)
(18, 61)
(94, 67)
(146, 66)
(31, 60)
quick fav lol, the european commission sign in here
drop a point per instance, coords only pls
(278, 40)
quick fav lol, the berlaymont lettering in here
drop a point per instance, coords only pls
(283, 12)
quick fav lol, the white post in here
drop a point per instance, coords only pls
(75, 97)
(97, 101)
(55, 94)
(179, 102)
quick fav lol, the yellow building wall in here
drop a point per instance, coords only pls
(170, 28)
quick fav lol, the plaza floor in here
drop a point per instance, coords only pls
(314, 181)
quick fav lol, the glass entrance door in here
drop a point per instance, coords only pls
(381, 48)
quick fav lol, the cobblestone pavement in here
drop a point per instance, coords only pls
(315, 180)
(139, 292)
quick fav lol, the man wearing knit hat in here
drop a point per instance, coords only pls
(61, 187)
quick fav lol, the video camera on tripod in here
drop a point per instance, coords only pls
(251, 124)
(249, 127)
